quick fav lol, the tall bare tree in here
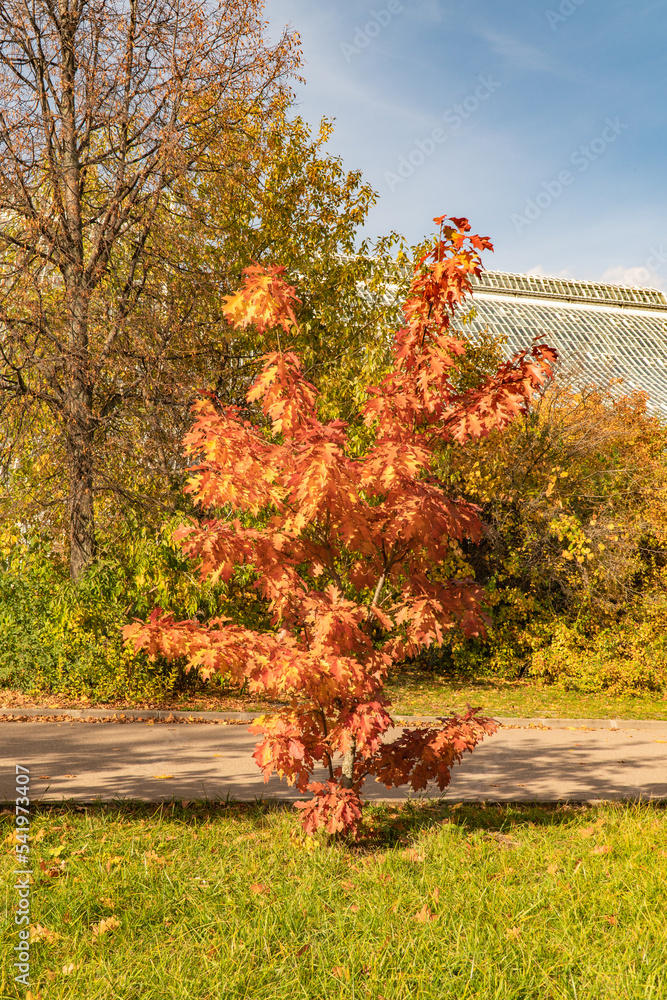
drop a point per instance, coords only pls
(107, 110)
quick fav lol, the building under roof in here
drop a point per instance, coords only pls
(601, 332)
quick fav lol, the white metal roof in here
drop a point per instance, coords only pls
(600, 331)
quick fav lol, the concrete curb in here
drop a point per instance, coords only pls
(129, 713)
(161, 714)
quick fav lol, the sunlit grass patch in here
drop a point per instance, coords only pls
(415, 693)
(435, 901)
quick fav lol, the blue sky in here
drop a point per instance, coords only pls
(542, 121)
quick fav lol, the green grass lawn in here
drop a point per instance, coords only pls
(512, 903)
(415, 693)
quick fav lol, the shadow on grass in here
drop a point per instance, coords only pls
(385, 825)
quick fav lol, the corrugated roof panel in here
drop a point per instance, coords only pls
(604, 331)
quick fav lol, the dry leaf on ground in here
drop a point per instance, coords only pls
(40, 933)
(411, 855)
(424, 915)
(104, 926)
(155, 858)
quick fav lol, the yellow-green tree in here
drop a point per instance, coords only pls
(108, 108)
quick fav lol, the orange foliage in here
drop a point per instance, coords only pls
(345, 553)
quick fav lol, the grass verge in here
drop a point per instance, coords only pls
(414, 693)
(439, 901)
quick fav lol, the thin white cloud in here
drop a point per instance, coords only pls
(540, 272)
(638, 276)
(521, 56)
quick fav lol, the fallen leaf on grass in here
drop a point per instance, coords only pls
(40, 933)
(354, 908)
(611, 920)
(412, 855)
(53, 871)
(502, 838)
(587, 831)
(155, 858)
(258, 888)
(436, 895)
(602, 849)
(67, 969)
(33, 996)
(424, 915)
(552, 870)
(116, 860)
(107, 901)
(513, 932)
(104, 926)
(347, 885)
(340, 973)
(302, 950)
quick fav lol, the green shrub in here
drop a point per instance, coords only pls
(66, 639)
(627, 657)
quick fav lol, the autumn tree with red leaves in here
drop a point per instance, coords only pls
(344, 547)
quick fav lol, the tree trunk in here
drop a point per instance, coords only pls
(78, 394)
(79, 438)
(347, 779)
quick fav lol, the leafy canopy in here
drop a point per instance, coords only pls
(344, 545)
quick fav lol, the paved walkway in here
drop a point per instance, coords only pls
(74, 759)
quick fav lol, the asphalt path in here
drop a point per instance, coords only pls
(110, 761)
